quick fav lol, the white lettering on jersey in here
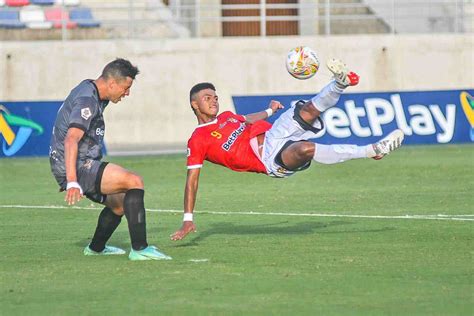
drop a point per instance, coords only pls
(233, 137)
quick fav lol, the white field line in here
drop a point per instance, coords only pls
(463, 217)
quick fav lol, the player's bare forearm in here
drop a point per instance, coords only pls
(71, 142)
(190, 190)
(71, 145)
(254, 117)
(190, 199)
(70, 157)
(190, 193)
(274, 106)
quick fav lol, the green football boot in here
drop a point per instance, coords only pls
(149, 253)
(108, 250)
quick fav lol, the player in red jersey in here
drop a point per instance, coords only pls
(226, 140)
(249, 143)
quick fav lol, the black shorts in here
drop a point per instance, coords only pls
(89, 177)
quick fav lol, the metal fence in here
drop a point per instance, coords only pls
(217, 18)
(195, 18)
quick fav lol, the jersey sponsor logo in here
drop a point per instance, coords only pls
(230, 119)
(233, 137)
(99, 132)
(15, 131)
(86, 113)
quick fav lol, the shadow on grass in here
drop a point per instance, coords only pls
(121, 238)
(226, 228)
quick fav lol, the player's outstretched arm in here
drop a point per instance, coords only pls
(273, 107)
(190, 193)
(73, 189)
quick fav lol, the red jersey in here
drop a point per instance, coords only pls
(226, 142)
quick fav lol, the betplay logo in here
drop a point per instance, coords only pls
(412, 119)
(425, 117)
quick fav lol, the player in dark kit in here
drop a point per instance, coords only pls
(249, 143)
(75, 158)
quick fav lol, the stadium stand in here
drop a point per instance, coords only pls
(83, 17)
(34, 18)
(69, 3)
(10, 19)
(115, 19)
(44, 22)
(42, 2)
(57, 15)
(151, 18)
(17, 3)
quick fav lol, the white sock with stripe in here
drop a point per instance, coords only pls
(331, 154)
(328, 97)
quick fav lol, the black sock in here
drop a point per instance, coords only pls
(134, 208)
(106, 225)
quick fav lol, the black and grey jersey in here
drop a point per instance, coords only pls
(82, 109)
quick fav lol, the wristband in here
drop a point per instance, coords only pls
(73, 184)
(188, 217)
(269, 112)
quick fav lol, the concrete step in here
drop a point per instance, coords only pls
(346, 10)
(51, 34)
(351, 17)
(355, 27)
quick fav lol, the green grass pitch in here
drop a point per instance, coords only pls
(247, 264)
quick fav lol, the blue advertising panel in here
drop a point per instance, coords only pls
(26, 127)
(426, 117)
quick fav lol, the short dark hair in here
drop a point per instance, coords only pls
(120, 68)
(198, 87)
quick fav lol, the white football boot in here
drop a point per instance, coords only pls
(341, 73)
(388, 144)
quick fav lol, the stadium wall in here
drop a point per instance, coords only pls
(157, 114)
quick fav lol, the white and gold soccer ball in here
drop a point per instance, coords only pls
(302, 62)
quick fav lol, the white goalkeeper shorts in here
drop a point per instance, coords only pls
(283, 130)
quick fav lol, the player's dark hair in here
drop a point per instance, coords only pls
(120, 68)
(198, 87)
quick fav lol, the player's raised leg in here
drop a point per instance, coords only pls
(331, 154)
(330, 94)
(127, 190)
(299, 154)
(387, 144)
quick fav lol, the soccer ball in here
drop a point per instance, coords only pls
(302, 62)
